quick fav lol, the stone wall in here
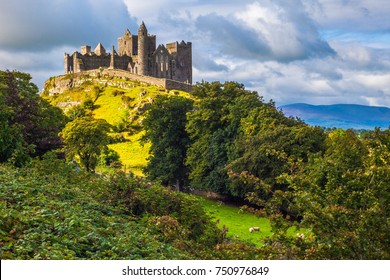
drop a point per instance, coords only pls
(171, 84)
(59, 84)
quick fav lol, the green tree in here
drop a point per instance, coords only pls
(269, 145)
(85, 139)
(164, 124)
(213, 126)
(343, 196)
(75, 112)
(29, 124)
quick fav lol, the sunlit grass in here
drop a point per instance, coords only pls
(239, 222)
(132, 154)
(109, 107)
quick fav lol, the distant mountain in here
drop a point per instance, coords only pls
(340, 115)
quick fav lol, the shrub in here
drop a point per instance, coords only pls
(160, 201)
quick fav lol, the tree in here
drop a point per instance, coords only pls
(343, 197)
(164, 124)
(269, 145)
(77, 111)
(213, 126)
(85, 139)
(29, 124)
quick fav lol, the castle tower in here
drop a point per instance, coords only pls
(68, 64)
(143, 50)
(127, 45)
(85, 50)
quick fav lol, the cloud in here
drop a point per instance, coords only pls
(35, 34)
(208, 63)
(232, 38)
(264, 32)
(287, 29)
(351, 16)
(314, 51)
(45, 24)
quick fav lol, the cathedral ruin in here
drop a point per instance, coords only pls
(139, 55)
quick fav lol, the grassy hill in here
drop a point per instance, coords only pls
(118, 100)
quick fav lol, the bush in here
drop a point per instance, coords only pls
(160, 201)
(51, 211)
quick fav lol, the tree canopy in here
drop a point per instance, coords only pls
(343, 196)
(29, 124)
(164, 124)
(85, 138)
(213, 126)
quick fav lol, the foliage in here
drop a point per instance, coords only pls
(160, 202)
(49, 210)
(77, 111)
(241, 145)
(213, 126)
(164, 124)
(132, 154)
(88, 104)
(344, 197)
(84, 140)
(120, 103)
(332, 186)
(269, 145)
(29, 124)
(110, 158)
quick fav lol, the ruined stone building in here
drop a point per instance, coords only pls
(137, 54)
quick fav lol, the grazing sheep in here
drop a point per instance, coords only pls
(301, 235)
(252, 229)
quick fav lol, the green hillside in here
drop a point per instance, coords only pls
(325, 193)
(121, 102)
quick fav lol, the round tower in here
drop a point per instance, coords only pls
(143, 50)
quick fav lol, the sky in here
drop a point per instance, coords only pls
(289, 51)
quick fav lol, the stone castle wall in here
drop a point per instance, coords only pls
(59, 84)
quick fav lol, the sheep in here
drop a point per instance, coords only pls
(252, 229)
(301, 235)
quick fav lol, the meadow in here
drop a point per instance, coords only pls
(237, 221)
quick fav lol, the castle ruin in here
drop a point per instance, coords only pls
(139, 55)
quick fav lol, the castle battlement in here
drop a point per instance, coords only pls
(137, 54)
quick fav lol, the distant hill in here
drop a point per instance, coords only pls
(340, 115)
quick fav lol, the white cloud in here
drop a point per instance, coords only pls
(314, 51)
(288, 31)
(352, 15)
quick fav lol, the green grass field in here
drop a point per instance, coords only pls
(238, 222)
(132, 154)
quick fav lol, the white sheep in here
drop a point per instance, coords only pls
(252, 229)
(301, 235)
